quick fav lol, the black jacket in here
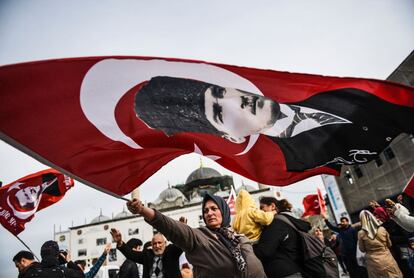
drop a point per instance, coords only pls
(279, 248)
(348, 239)
(169, 260)
(128, 269)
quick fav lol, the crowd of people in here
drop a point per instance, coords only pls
(265, 241)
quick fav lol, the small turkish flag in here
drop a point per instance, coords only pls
(231, 202)
(314, 204)
(311, 205)
(21, 199)
(409, 188)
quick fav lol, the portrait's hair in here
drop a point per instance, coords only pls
(23, 255)
(283, 205)
(267, 200)
(175, 105)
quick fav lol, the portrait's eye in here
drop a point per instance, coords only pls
(217, 92)
(245, 102)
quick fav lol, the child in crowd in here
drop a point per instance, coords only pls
(249, 218)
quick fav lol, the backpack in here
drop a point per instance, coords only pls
(319, 261)
(43, 272)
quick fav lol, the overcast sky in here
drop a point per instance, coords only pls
(339, 38)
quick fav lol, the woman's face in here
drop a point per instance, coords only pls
(318, 233)
(212, 215)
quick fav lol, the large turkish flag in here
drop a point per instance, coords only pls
(112, 122)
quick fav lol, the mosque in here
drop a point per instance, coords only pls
(86, 242)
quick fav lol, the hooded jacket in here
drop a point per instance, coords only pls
(208, 255)
(249, 218)
(279, 248)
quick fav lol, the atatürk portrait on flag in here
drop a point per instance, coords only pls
(311, 133)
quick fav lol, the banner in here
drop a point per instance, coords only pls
(21, 199)
(112, 122)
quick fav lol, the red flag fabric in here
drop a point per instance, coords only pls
(409, 187)
(322, 204)
(111, 122)
(231, 202)
(311, 205)
(21, 199)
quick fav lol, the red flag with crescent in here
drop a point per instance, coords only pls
(112, 122)
(21, 199)
(314, 204)
(311, 205)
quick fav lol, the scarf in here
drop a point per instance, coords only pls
(369, 223)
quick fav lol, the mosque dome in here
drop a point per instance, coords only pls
(100, 218)
(124, 213)
(202, 173)
(170, 197)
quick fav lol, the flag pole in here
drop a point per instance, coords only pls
(123, 198)
(28, 248)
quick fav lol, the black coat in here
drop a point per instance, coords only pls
(40, 269)
(128, 269)
(169, 260)
(279, 248)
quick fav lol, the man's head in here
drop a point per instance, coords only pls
(411, 243)
(176, 105)
(49, 249)
(344, 222)
(134, 244)
(267, 204)
(23, 259)
(158, 243)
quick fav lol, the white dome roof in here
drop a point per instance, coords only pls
(100, 218)
(124, 213)
(169, 195)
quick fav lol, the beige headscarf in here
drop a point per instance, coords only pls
(369, 223)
